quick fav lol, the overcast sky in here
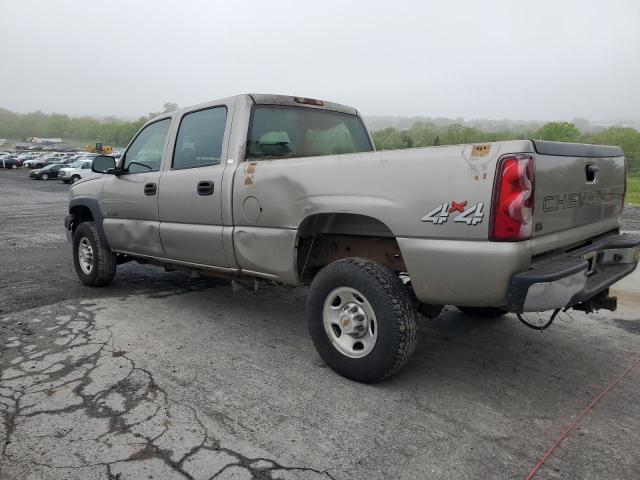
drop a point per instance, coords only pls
(535, 59)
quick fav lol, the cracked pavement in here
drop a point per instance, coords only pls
(74, 406)
(165, 376)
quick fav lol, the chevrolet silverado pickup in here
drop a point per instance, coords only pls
(292, 190)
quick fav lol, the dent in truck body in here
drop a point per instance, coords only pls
(125, 232)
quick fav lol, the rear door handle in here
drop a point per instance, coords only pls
(205, 188)
(150, 189)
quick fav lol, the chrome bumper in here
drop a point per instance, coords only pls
(575, 277)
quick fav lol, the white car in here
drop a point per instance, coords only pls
(76, 170)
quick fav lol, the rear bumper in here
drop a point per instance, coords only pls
(574, 277)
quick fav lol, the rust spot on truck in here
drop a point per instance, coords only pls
(480, 150)
(249, 172)
(251, 168)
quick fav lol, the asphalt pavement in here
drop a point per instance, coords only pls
(163, 376)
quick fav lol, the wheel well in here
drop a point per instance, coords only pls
(327, 237)
(81, 214)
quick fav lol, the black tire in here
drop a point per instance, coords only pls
(75, 178)
(484, 312)
(394, 313)
(44, 176)
(14, 166)
(104, 261)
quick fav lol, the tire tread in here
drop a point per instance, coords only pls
(394, 294)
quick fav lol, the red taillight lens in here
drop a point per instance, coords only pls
(309, 101)
(513, 201)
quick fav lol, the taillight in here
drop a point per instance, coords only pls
(513, 201)
(308, 101)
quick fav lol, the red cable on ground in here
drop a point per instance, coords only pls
(572, 425)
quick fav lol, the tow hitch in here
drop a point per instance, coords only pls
(601, 301)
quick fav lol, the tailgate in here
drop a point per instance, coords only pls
(576, 185)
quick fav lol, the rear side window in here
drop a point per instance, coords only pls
(200, 138)
(145, 153)
(283, 132)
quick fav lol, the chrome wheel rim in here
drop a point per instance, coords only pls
(350, 322)
(85, 255)
(45, 176)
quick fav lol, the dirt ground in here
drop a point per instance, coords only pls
(163, 376)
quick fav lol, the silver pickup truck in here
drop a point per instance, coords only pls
(292, 190)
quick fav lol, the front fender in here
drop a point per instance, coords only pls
(92, 204)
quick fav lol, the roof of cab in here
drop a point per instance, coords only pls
(265, 99)
(295, 101)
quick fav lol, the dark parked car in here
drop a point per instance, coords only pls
(10, 161)
(45, 173)
(42, 162)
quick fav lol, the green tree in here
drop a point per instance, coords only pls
(626, 138)
(558, 131)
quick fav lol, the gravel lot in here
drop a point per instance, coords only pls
(163, 376)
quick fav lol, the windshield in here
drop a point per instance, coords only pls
(287, 132)
(76, 164)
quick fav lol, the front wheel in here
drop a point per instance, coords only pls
(75, 178)
(361, 319)
(14, 166)
(45, 176)
(95, 264)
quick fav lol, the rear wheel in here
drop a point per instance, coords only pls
(361, 319)
(95, 264)
(483, 312)
(14, 166)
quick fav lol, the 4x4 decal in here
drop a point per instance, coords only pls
(469, 216)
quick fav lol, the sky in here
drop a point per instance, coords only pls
(517, 59)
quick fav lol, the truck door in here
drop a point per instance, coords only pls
(190, 200)
(130, 200)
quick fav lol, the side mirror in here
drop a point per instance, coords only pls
(103, 164)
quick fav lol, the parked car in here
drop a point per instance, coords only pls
(47, 172)
(46, 159)
(75, 171)
(27, 156)
(38, 162)
(292, 190)
(75, 158)
(11, 161)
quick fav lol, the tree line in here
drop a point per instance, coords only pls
(426, 134)
(115, 132)
(110, 131)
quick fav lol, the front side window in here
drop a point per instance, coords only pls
(200, 138)
(283, 132)
(145, 153)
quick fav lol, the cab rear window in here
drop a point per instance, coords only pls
(293, 132)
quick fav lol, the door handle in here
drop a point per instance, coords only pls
(205, 188)
(150, 189)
